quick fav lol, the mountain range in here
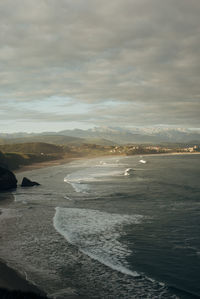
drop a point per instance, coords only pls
(107, 136)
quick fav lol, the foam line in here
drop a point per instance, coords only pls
(97, 234)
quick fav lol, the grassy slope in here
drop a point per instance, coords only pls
(31, 148)
(15, 155)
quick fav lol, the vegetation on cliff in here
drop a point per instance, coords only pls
(14, 156)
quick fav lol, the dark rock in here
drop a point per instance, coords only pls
(28, 183)
(7, 179)
(17, 294)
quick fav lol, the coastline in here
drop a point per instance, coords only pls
(66, 160)
(171, 154)
(12, 283)
(11, 279)
(39, 165)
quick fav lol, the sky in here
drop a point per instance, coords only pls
(68, 64)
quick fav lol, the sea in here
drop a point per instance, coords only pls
(109, 227)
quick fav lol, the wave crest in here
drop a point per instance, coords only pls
(97, 234)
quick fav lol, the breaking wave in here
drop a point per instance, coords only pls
(80, 180)
(97, 234)
(129, 171)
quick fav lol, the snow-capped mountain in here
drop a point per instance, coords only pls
(141, 135)
(115, 135)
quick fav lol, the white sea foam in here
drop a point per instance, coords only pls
(67, 197)
(79, 187)
(80, 180)
(97, 234)
(129, 171)
(143, 161)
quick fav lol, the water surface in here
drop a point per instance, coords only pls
(109, 228)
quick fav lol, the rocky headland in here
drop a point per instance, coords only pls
(7, 179)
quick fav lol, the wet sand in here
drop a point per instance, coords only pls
(9, 278)
(12, 284)
(44, 164)
(12, 280)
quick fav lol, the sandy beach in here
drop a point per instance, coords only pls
(13, 284)
(11, 280)
(44, 164)
(67, 160)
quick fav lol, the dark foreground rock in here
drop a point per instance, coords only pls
(28, 183)
(7, 179)
(8, 294)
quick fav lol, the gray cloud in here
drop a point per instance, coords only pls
(142, 54)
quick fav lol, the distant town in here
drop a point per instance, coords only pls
(17, 155)
(141, 149)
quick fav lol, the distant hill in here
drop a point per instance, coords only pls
(31, 148)
(56, 139)
(15, 155)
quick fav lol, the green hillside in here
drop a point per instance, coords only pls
(31, 147)
(15, 160)
(15, 155)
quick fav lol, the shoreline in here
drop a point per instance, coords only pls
(67, 160)
(39, 165)
(169, 154)
(14, 284)
(12, 280)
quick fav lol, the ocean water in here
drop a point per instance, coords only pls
(109, 227)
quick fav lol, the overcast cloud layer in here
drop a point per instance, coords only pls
(130, 62)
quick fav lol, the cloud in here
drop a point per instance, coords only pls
(137, 53)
